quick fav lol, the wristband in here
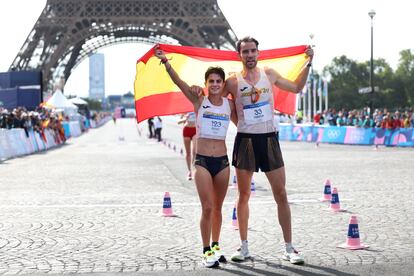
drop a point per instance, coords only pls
(309, 64)
(164, 60)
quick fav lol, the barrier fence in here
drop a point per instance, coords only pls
(402, 137)
(14, 142)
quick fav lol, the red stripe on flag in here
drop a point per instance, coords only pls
(285, 102)
(169, 103)
(207, 54)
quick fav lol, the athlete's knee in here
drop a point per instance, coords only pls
(280, 196)
(207, 208)
(244, 197)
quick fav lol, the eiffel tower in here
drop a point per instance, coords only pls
(68, 31)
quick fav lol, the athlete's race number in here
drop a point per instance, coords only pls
(258, 112)
(215, 123)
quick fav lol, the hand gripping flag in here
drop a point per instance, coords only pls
(157, 95)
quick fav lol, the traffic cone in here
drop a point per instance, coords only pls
(252, 188)
(234, 222)
(166, 206)
(335, 205)
(352, 240)
(181, 151)
(327, 196)
(234, 184)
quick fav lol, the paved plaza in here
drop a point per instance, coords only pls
(94, 205)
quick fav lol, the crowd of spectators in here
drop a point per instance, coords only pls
(380, 118)
(37, 121)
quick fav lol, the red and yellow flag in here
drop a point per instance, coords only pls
(157, 95)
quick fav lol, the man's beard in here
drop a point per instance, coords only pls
(251, 64)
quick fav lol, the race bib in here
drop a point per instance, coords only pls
(213, 125)
(257, 113)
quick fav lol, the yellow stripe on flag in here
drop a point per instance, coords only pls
(156, 94)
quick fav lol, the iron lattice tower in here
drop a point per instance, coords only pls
(68, 31)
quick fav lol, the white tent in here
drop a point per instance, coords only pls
(78, 100)
(59, 101)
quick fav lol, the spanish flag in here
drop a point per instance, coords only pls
(157, 95)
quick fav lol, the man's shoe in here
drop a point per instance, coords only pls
(294, 257)
(219, 256)
(241, 254)
(209, 259)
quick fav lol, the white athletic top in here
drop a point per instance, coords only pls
(254, 117)
(213, 121)
(191, 117)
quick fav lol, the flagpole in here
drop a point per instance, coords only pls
(326, 93)
(320, 95)
(309, 101)
(304, 102)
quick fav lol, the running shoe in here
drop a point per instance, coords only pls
(219, 256)
(189, 177)
(210, 260)
(294, 257)
(241, 254)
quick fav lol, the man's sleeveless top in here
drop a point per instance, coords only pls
(213, 121)
(254, 105)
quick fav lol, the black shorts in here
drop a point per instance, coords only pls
(252, 152)
(213, 165)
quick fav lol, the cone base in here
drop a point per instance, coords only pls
(324, 199)
(353, 247)
(168, 215)
(337, 210)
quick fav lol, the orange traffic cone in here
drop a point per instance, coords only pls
(166, 206)
(234, 222)
(335, 205)
(234, 184)
(252, 188)
(327, 196)
(352, 240)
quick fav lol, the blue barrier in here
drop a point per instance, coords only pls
(403, 137)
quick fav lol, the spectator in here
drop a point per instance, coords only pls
(158, 128)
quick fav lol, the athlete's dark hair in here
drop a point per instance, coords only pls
(215, 70)
(246, 39)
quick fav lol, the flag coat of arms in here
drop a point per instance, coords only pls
(157, 95)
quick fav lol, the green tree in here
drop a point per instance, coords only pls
(346, 77)
(94, 104)
(405, 77)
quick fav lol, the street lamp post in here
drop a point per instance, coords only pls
(371, 14)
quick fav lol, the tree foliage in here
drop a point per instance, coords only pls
(347, 76)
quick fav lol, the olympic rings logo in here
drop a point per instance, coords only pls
(333, 133)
